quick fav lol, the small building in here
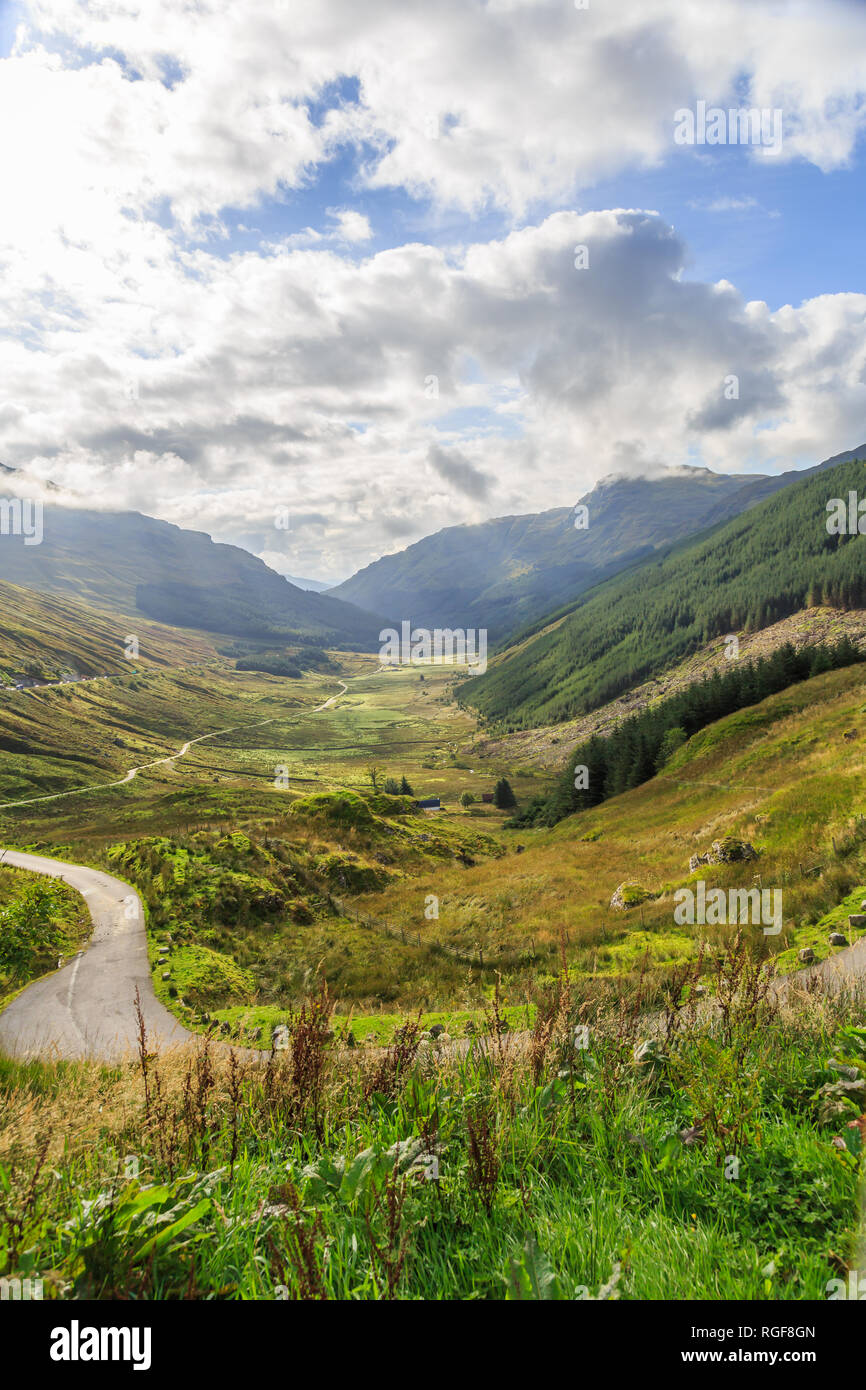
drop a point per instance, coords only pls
(430, 803)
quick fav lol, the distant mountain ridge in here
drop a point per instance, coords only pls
(127, 562)
(505, 573)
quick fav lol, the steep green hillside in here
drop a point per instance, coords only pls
(125, 561)
(637, 747)
(744, 574)
(504, 573)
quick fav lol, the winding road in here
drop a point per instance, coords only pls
(87, 1008)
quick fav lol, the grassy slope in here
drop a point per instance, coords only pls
(85, 735)
(557, 1173)
(46, 635)
(71, 917)
(580, 1157)
(780, 774)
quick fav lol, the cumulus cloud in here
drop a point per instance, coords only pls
(507, 101)
(149, 361)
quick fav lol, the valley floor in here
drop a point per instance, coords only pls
(587, 1162)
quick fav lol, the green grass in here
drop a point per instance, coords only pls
(254, 1026)
(552, 1178)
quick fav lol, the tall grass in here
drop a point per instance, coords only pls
(683, 1154)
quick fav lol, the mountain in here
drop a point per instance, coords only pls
(503, 573)
(742, 574)
(127, 562)
(508, 572)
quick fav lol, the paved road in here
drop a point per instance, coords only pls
(87, 1008)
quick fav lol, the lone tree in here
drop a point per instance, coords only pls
(466, 799)
(392, 786)
(405, 788)
(503, 796)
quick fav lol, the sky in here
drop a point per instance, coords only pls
(384, 267)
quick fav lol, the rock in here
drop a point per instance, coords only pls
(437, 1030)
(836, 1097)
(166, 974)
(627, 895)
(806, 955)
(846, 1072)
(863, 905)
(857, 921)
(699, 991)
(837, 939)
(730, 850)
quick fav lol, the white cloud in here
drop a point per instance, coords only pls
(508, 101)
(145, 368)
(350, 225)
(301, 378)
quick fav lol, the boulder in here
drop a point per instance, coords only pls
(836, 1098)
(806, 955)
(437, 1029)
(730, 850)
(857, 921)
(628, 894)
(837, 939)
